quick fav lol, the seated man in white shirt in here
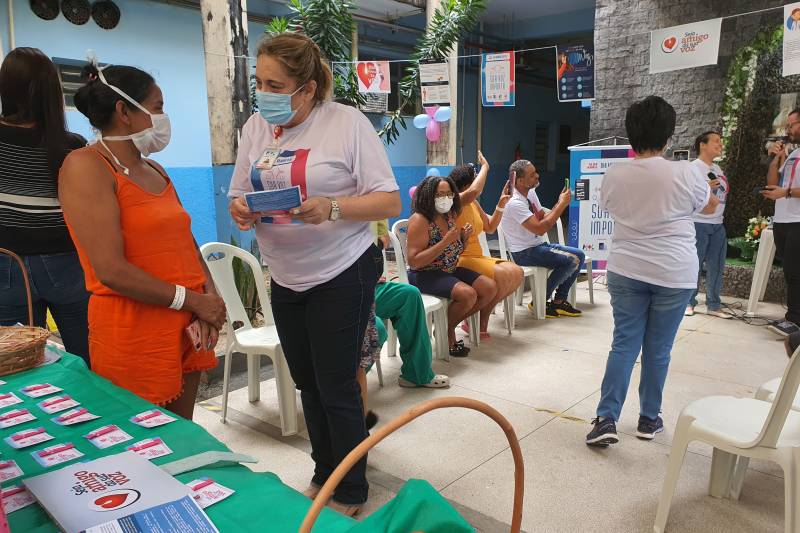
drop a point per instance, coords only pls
(523, 226)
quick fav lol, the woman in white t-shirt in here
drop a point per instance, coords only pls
(321, 256)
(652, 266)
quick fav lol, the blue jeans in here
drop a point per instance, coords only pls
(646, 319)
(565, 263)
(712, 247)
(57, 283)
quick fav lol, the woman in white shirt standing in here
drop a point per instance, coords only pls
(321, 256)
(652, 266)
(711, 240)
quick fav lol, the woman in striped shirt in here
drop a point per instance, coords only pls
(33, 144)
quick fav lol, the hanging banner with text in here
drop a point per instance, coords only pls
(590, 227)
(434, 81)
(497, 79)
(685, 46)
(791, 39)
(373, 77)
(575, 73)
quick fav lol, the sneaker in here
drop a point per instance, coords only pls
(689, 311)
(648, 428)
(719, 313)
(603, 434)
(549, 310)
(565, 309)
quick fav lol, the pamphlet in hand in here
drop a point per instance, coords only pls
(275, 201)
(122, 492)
(275, 204)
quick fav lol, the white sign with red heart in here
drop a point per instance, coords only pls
(686, 46)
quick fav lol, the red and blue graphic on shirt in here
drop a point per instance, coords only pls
(289, 170)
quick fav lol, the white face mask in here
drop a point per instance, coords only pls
(443, 205)
(149, 140)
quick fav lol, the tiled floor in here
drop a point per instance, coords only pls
(545, 379)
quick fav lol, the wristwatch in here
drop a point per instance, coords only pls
(335, 212)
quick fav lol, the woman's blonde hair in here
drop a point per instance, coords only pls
(302, 59)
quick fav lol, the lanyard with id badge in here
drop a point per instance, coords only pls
(278, 198)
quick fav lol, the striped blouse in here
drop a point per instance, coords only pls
(31, 221)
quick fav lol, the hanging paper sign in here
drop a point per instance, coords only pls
(685, 46)
(435, 95)
(791, 39)
(433, 73)
(497, 79)
(434, 81)
(373, 76)
(575, 72)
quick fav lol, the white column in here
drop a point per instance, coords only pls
(444, 152)
(227, 74)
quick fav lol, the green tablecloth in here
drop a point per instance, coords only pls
(261, 502)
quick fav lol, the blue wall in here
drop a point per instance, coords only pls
(161, 39)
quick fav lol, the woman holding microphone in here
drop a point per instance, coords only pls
(322, 259)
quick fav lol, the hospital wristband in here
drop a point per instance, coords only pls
(179, 299)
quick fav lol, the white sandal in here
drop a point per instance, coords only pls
(439, 381)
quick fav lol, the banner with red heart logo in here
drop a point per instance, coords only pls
(373, 77)
(685, 46)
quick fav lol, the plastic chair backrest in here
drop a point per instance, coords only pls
(560, 232)
(218, 257)
(484, 244)
(782, 404)
(398, 236)
(501, 239)
(385, 265)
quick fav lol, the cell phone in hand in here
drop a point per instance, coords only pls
(759, 190)
(193, 332)
(566, 183)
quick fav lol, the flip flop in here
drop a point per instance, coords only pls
(465, 328)
(439, 381)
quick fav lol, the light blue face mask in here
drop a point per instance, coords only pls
(276, 108)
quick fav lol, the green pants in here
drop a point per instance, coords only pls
(402, 304)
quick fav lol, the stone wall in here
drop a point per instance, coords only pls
(736, 281)
(622, 48)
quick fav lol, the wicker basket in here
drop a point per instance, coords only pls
(21, 347)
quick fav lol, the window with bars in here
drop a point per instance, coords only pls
(69, 70)
(541, 147)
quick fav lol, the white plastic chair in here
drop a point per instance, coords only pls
(744, 427)
(399, 235)
(587, 262)
(537, 277)
(508, 302)
(764, 257)
(247, 339)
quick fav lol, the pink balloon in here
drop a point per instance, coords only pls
(411, 191)
(430, 111)
(433, 131)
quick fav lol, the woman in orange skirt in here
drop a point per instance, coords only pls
(146, 276)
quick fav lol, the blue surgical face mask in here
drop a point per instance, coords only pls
(276, 108)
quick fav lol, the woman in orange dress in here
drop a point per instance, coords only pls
(147, 279)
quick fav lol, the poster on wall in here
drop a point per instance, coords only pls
(434, 81)
(373, 77)
(590, 227)
(685, 46)
(791, 39)
(575, 73)
(497, 79)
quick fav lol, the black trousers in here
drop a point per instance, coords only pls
(321, 332)
(787, 244)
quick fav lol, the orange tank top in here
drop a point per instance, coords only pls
(157, 235)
